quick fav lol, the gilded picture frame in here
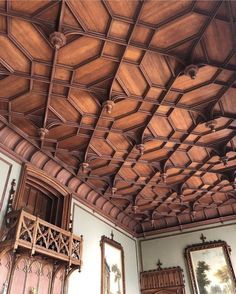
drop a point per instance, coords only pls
(210, 268)
(112, 267)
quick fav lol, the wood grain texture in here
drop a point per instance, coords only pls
(134, 99)
(162, 280)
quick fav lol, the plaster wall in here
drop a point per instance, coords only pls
(92, 227)
(170, 249)
(9, 170)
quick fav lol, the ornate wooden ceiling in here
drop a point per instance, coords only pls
(135, 99)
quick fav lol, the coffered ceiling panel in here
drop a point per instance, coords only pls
(129, 103)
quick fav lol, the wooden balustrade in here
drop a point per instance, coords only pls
(27, 231)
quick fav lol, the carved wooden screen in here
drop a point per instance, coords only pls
(163, 281)
(45, 279)
(5, 265)
(58, 283)
(26, 274)
(19, 273)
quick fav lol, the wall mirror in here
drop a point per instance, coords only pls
(210, 268)
(113, 275)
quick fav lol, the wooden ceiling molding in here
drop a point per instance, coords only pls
(130, 104)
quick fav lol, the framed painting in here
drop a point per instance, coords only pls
(113, 274)
(210, 268)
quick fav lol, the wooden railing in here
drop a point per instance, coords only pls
(30, 232)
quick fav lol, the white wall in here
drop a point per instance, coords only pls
(9, 170)
(170, 249)
(92, 227)
(89, 225)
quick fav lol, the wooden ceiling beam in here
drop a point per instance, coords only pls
(232, 80)
(69, 30)
(139, 138)
(211, 17)
(138, 14)
(130, 35)
(13, 114)
(129, 160)
(166, 198)
(190, 208)
(210, 189)
(148, 119)
(208, 14)
(139, 194)
(65, 166)
(157, 170)
(94, 90)
(52, 74)
(154, 183)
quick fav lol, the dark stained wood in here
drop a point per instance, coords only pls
(37, 222)
(162, 280)
(23, 230)
(22, 273)
(43, 198)
(134, 99)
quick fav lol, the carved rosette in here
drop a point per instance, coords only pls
(42, 133)
(224, 159)
(163, 177)
(84, 166)
(57, 39)
(211, 125)
(191, 71)
(108, 105)
(113, 191)
(141, 148)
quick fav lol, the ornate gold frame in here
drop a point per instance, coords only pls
(207, 245)
(118, 246)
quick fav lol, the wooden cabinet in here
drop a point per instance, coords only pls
(163, 281)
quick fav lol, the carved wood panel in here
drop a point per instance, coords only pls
(163, 281)
(134, 102)
(45, 279)
(22, 274)
(44, 205)
(19, 274)
(58, 283)
(5, 267)
(43, 197)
